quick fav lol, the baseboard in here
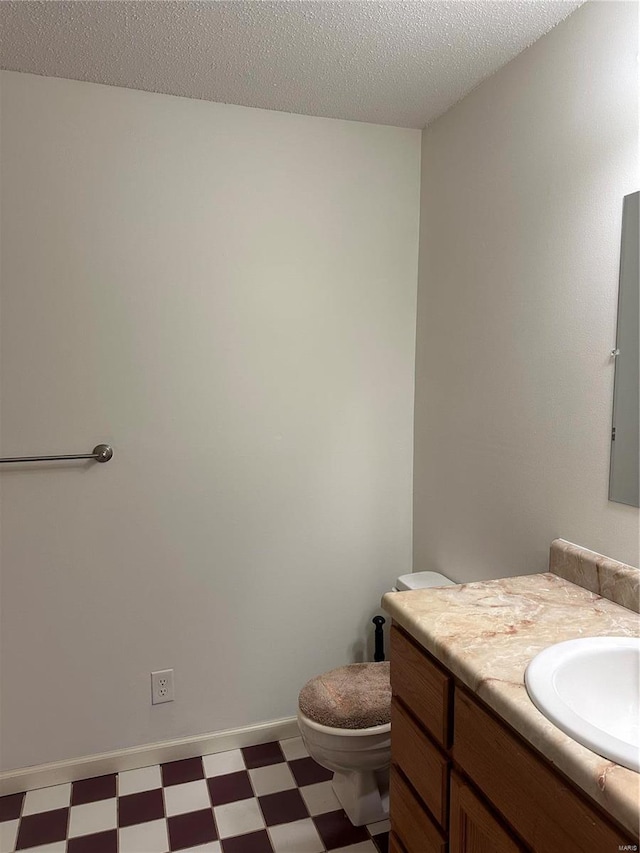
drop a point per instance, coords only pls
(56, 773)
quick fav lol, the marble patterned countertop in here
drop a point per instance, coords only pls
(487, 632)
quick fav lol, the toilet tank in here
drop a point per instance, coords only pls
(421, 580)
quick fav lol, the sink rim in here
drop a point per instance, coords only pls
(540, 686)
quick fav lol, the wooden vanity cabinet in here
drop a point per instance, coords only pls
(462, 781)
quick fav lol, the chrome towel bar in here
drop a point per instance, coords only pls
(101, 453)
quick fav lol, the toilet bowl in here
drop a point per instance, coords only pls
(359, 754)
(360, 760)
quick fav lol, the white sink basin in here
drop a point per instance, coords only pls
(590, 688)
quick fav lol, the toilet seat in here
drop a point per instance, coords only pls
(349, 735)
(355, 696)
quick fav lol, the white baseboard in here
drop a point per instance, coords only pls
(58, 772)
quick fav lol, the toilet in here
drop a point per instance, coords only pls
(344, 717)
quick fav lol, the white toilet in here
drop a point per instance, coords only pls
(358, 753)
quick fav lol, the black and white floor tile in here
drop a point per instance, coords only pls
(271, 798)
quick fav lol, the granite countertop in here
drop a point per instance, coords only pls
(487, 632)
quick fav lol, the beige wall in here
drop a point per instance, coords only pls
(228, 296)
(522, 186)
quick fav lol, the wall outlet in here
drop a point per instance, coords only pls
(162, 686)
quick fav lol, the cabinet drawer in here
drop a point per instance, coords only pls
(410, 822)
(473, 828)
(422, 762)
(423, 687)
(542, 808)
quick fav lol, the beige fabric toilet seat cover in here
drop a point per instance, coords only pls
(355, 696)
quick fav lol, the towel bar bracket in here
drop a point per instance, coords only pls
(102, 452)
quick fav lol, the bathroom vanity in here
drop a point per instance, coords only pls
(476, 768)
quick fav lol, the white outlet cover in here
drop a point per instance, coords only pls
(162, 686)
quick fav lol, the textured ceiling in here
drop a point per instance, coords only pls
(400, 63)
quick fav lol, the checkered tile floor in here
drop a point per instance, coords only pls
(270, 798)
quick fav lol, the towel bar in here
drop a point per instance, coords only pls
(101, 453)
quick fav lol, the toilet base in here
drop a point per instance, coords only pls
(363, 795)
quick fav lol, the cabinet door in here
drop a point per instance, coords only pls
(472, 827)
(545, 811)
